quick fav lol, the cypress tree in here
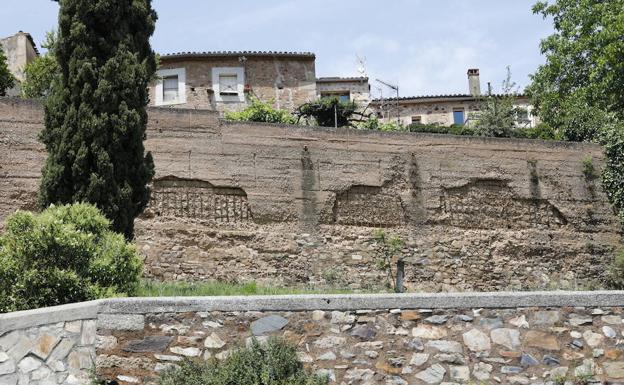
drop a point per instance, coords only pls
(95, 116)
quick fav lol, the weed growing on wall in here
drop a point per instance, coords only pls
(388, 249)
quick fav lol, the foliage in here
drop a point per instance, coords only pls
(615, 277)
(41, 72)
(328, 112)
(95, 115)
(455, 129)
(260, 111)
(272, 363)
(540, 131)
(65, 254)
(497, 114)
(583, 77)
(388, 249)
(612, 140)
(7, 81)
(373, 123)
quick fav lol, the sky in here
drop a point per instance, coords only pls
(423, 46)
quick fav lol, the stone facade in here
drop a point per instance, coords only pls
(439, 109)
(19, 49)
(300, 205)
(515, 339)
(356, 88)
(287, 79)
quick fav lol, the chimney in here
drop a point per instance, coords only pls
(474, 85)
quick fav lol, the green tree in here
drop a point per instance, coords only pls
(41, 72)
(580, 88)
(65, 254)
(497, 114)
(260, 111)
(95, 115)
(327, 112)
(7, 81)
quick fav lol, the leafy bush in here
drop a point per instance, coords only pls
(541, 131)
(328, 112)
(273, 363)
(373, 123)
(455, 129)
(260, 111)
(65, 254)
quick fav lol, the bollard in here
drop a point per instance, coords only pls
(399, 276)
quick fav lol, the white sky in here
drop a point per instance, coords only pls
(424, 46)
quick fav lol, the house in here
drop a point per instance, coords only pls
(446, 110)
(347, 89)
(226, 81)
(19, 49)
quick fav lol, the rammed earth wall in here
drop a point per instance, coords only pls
(503, 338)
(299, 205)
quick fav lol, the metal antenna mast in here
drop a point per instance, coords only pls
(395, 88)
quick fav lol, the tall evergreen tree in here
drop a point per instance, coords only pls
(7, 80)
(95, 116)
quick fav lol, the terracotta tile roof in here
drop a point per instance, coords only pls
(332, 79)
(423, 98)
(184, 55)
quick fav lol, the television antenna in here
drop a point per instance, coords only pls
(361, 65)
(395, 88)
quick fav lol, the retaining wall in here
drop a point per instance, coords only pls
(299, 205)
(502, 338)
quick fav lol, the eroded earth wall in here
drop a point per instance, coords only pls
(297, 205)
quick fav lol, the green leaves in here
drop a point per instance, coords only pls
(95, 112)
(65, 254)
(260, 111)
(328, 112)
(272, 363)
(7, 81)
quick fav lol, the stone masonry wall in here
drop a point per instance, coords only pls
(300, 205)
(287, 81)
(48, 346)
(419, 339)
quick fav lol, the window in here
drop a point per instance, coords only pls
(344, 97)
(458, 116)
(416, 119)
(170, 87)
(522, 117)
(228, 84)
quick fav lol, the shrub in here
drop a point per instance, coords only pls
(615, 278)
(273, 363)
(328, 112)
(541, 131)
(65, 254)
(260, 111)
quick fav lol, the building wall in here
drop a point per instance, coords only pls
(417, 339)
(359, 89)
(288, 82)
(438, 112)
(301, 205)
(19, 52)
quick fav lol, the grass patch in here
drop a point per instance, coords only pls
(215, 288)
